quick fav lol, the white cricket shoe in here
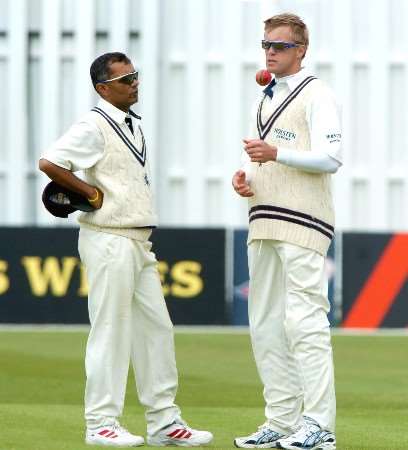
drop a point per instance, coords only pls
(114, 436)
(310, 436)
(181, 435)
(265, 437)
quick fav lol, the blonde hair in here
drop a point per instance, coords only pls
(295, 23)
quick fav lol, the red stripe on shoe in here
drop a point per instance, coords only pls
(103, 432)
(180, 434)
(175, 432)
(110, 434)
(183, 435)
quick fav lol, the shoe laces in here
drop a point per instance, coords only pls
(308, 428)
(265, 427)
(118, 427)
(183, 424)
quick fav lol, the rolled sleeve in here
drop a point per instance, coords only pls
(81, 147)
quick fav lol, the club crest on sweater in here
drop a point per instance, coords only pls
(284, 135)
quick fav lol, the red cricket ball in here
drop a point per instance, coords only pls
(263, 77)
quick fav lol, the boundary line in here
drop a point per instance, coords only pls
(200, 329)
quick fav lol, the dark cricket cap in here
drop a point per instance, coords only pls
(60, 201)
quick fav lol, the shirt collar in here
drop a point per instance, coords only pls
(294, 80)
(117, 114)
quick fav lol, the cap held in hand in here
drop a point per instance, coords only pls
(60, 201)
(263, 77)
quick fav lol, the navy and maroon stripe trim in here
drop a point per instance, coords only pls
(140, 155)
(264, 129)
(289, 215)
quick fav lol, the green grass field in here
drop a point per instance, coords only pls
(42, 382)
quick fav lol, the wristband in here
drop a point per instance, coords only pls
(93, 200)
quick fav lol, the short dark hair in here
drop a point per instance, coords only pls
(100, 68)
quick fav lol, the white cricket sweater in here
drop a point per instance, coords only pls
(290, 204)
(123, 176)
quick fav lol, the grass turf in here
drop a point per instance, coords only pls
(42, 382)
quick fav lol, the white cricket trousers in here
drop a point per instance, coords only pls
(290, 333)
(129, 322)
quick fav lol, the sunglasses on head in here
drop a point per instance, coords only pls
(128, 78)
(278, 46)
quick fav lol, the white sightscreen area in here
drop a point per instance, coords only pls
(197, 60)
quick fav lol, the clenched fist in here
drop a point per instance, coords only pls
(259, 151)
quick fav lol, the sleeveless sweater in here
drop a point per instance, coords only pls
(124, 180)
(289, 204)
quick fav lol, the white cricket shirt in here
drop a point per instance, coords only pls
(82, 146)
